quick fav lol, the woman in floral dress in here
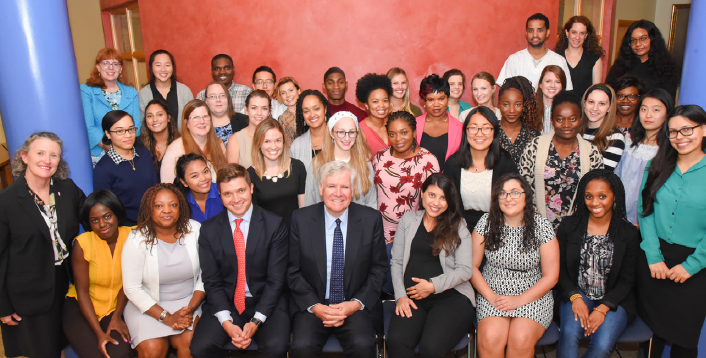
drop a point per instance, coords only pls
(400, 171)
(561, 157)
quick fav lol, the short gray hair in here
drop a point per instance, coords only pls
(19, 167)
(335, 167)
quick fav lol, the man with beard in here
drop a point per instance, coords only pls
(530, 62)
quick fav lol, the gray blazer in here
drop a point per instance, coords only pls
(184, 95)
(457, 267)
(301, 149)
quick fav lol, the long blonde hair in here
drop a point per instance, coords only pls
(258, 159)
(212, 150)
(607, 127)
(406, 104)
(360, 154)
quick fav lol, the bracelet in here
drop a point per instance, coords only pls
(163, 316)
(578, 295)
(597, 310)
(192, 309)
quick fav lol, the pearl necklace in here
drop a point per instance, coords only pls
(273, 178)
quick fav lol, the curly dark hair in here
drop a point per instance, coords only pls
(302, 127)
(529, 102)
(662, 64)
(433, 84)
(626, 81)
(566, 97)
(145, 226)
(369, 83)
(581, 212)
(637, 131)
(665, 162)
(592, 42)
(495, 227)
(445, 233)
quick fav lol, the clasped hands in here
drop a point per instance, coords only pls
(421, 290)
(334, 315)
(677, 273)
(181, 319)
(241, 338)
(589, 322)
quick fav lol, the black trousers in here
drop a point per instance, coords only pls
(677, 351)
(437, 325)
(272, 336)
(83, 339)
(356, 335)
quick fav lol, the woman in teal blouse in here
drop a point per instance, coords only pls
(671, 286)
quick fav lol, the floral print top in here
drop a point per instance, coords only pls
(289, 122)
(224, 133)
(521, 142)
(561, 177)
(113, 98)
(399, 185)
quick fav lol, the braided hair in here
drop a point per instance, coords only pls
(302, 127)
(529, 102)
(581, 212)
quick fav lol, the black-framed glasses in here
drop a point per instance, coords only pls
(513, 194)
(483, 130)
(630, 97)
(343, 134)
(686, 131)
(121, 132)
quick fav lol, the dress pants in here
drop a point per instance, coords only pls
(84, 340)
(272, 336)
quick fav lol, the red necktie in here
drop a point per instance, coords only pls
(239, 240)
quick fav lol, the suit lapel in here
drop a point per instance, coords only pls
(353, 241)
(98, 92)
(226, 239)
(61, 213)
(255, 235)
(28, 205)
(318, 242)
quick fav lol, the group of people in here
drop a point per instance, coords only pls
(246, 215)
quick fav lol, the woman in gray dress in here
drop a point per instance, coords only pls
(162, 275)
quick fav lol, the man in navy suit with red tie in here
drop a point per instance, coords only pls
(244, 256)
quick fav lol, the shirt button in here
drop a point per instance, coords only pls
(672, 213)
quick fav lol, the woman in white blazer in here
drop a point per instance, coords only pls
(431, 265)
(162, 275)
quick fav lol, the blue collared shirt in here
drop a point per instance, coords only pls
(245, 229)
(214, 205)
(330, 224)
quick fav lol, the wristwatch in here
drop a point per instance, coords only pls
(256, 321)
(163, 316)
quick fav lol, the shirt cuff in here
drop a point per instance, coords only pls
(260, 316)
(312, 306)
(223, 316)
(362, 306)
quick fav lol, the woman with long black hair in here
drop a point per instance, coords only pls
(671, 287)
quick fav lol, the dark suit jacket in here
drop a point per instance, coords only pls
(266, 250)
(452, 169)
(27, 271)
(366, 263)
(621, 279)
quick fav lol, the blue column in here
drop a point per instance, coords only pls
(693, 74)
(39, 83)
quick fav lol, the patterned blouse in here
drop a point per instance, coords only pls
(49, 214)
(223, 133)
(594, 267)
(521, 142)
(113, 98)
(561, 177)
(399, 185)
(289, 121)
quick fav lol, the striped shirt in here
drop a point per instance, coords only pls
(616, 146)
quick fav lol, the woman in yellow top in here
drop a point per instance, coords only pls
(92, 313)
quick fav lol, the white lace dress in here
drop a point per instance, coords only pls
(631, 171)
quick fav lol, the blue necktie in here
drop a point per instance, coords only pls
(337, 262)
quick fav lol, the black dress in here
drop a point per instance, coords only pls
(582, 74)
(642, 71)
(436, 145)
(280, 198)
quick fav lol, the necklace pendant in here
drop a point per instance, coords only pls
(274, 179)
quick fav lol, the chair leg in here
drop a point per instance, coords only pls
(649, 353)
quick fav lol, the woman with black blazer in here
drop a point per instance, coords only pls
(599, 249)
(478, 164)
(431, 265)
(38, 221)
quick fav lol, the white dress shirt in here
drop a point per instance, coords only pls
(521, 63)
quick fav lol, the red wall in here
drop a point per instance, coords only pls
(304, 38)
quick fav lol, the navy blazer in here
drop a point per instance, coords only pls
(620, 285)
(266, 251)
(366, 262)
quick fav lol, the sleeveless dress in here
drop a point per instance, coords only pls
(509, 272)
(245, 146)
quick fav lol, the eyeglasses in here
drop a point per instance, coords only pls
(261, 82)
(200, 119)
(513, 194)
(121, 132)
(686, 131)
(484, 130)
(642, 40)
(630, 97)
(106, 64)
(214, 97)
(343, 134)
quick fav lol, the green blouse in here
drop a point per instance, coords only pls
(677, 216)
